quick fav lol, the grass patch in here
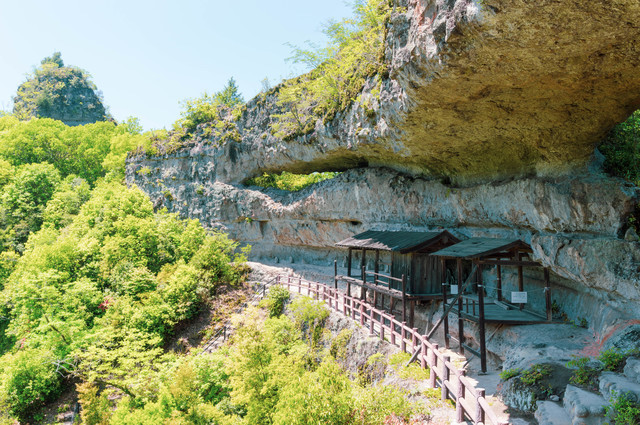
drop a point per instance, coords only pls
(289, 181)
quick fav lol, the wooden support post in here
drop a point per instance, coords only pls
(499, 281)
(443, 277)
(403, 335)
(547, 294)
(278, 280)
(414, 340)
(299, 285)
(361, 314)
(483, 347)
(364, 282)
(317, 291)
(363, 262)
(520, 279)
(376, 271)
(404, 298)
(391, 269)
(460, 318)
(444, 394)
(479, 416)
(289, 283)
(381, 328)
(412, 308)
(335, 274)
(349, 258)
(459, 396)
(433, 363)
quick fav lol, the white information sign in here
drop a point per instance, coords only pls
(518, 297)
(454, 289)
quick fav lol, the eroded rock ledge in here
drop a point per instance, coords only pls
(574, 224)
(477, 91)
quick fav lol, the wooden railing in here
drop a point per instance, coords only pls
(470, 401)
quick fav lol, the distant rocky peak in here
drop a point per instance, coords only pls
(64, 93)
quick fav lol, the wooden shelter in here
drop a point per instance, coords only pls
(413, 276)
(474, 305)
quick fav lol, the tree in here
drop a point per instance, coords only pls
(230, 94)
(54, 59)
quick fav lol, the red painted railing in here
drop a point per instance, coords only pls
(454, 384)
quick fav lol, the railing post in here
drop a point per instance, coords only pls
(423, 351)
(361, 314)
(289, 283)
(392, 330)
(278, 280)
(414, 339)
(264, 290)
(459, 397)
(403, 333)
(299, 285)
(433, 363)
(381, 327)
(445, 377)
(371, 321)
(479, 410)
(344, 304)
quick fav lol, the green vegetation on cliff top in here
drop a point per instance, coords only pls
(61, 92)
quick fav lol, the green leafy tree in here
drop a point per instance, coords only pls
(621, 149)
(354, 53)
(230, 95)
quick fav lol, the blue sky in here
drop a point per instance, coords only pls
(148, 56)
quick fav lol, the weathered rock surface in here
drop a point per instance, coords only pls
(572, 223)
(584, 407)
(477, 91)
(632, 369)
(551, 413)
(615, 384)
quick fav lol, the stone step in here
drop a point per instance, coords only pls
(551, 413)
(632, 369)
(584, 407)
(614, 383)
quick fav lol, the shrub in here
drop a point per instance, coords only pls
(612, 360)
(29, 383)
(413, 371)
(585, 374)
(96, 409)
(309, 316)
(509, 373)
(275, 301)
(535, 374)
(624, 410)
(338, 349)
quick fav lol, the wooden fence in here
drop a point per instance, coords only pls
(470, 401)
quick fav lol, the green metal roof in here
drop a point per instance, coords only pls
(402, 242)
(480, 247)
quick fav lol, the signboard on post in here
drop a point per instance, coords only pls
(454, 289)
(518, 297)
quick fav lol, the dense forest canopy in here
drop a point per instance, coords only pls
(94, 282)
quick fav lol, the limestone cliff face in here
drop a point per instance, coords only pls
(477, 91)
(504, 98)
(574, 224)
